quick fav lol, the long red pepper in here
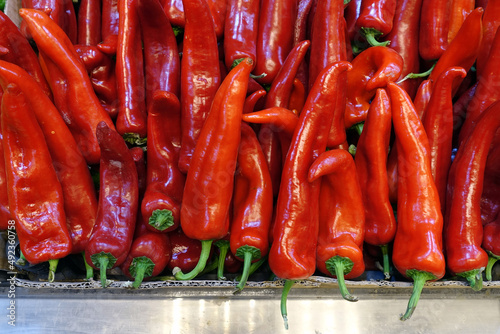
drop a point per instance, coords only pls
(132, 114)
(89, 22)
(463, 224)
(300, 34)
(341, 217)
(434, 26)
(80, 201)
(35, 194)
(165, 183)
(490, 25)
(295, 231)
(490, 199)
(5, 214)
(209, 184)
(376, 19)
(252, 203)
(109, 19)
(118, 203)
(283, 119)
(200, 75)
(161, 55)
(218, 10)
(417, 249)
(438, 124)
(241, 30)
(275, 38)
(460, 9)
(371, 158)
(86, 111)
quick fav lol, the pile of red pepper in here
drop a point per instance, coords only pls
(306, 134)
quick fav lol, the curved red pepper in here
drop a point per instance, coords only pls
(438, 125)
(275, 37)
(89, 22)
(161, 55)
(185, 251)
(463, 227)
(80, 201)
(376, 19)
(371, 69)
(241, 30)
(282, 119)
(130, 78)
(341, 234)
(200, 75)
(371, 159)
(460, 9)
(165, 183)
(80, 98)
(209, 183)
(148, 257)
(252, 203)
(434, 26)
(490, 25)
(252, 100)
(113, 232)
(298, 97)
(417, 249)
(300, 34)
(35, 194)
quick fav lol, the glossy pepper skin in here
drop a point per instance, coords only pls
(109, 19)
(341, 217)
(490, 199)
(165, 183)
(5, 214)
(376, 19)
(161, 54)
(210, 180)
(175, 12)
(293, 251)
(463, 225)
(89, 22)
(275, 37)
(438, 125)
(20, 52)
(300, 34)
(35, 194)
(372, 151)
(130, 80)
(85, 111)
(434, 26)
(252, 203)
(417, 248)
(80, 201)
(490, 25)
(200, 75)
(118, 203)
(460, 9)
(371, 69)
(185, 251)
(491, 232)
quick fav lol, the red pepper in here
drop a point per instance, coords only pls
(130, 80)
(404, 40)
(376, 19)
(300, 34)
(341, 217)
(113, 232)
(89, 22)
(275, 37)
(205, 209)
(138, 155)
(438, 125)
(241, 30)
(463, 224)
(490, 198)
(491, 233)
(486, 91)
(351, 15)
(175, 12)
(460, 9)
(491, 22)
(371, 69)
(5, 214)
(298, 97)
(434, 26)
(185, 251)
(148, 257)
(200, 75)
(218, 10)
(371, 158)
(252, 100)
(80, 201)
(165, 183)
(35, 194)
(109, 19)
(282, 119)
(86, 111)
(459, 111)
(161, 55)
(417, 249)
(252, 203)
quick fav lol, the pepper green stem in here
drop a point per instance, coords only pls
(141, 267)
(358, 127)
(103, 261)
(223, 246)
(339, 266)
(371, 37)
(492, 259)
(52, 269)
(211, 266)
(22, 260)
(161, 219)
(253, 267)
(88, 269)
(248, 253)
(206, 245)
(284, 296)
(417, 75)
(474, 277)
(386, 261)
(419, 279)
